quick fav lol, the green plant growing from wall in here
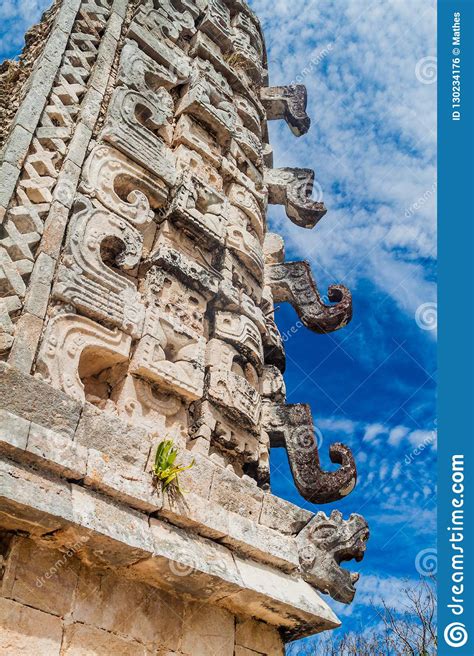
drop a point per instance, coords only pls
(165, 469)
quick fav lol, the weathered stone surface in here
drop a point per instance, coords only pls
(288, 103)
(107, 601)
(245, 500)
(293, 189)
(80, 640)
(258, 637)
(41, 578)
(57, 452)
(13, 431)
(323, 544)
(207, 630)
(31, 399)
(282, 516)
(291, 426)
(27, 630)
(293, 282)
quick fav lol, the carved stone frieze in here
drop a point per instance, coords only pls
(75, 348)
(122, 186)
(139, 125)
(237, 398)
(98, 240)
(241, 332)
(289, 104)
(291, 427)
(245, 200)
(246, 247)
(200, 208)
(189, 133)
(170, 355)
(293, 282)
(140, 72)
(176, 299)
(324, 544)
(293, 189)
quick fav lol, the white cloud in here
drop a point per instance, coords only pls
(373, 140)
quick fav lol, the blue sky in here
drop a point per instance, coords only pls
(369, 68)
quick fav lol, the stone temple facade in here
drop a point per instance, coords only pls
(138, 285)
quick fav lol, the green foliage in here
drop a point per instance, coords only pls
(165, 469)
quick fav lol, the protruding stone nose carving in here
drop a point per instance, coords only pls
(293, 188)
(293, 282)
(291, 427)
(289, 104)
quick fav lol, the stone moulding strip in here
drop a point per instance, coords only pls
(58, 514)
(31, 108)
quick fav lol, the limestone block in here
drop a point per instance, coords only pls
(41, 578)
(36, 503)
(66, 184)
(27, 335)
(292, 598)
(250, 114)
(75, 348)
(262, 544)
(244, 499)
(63, 456)
(192, 135)
(234, 269)
(195, 512)
(106, 433)
(81, 640)
(282, 516)
(97, 241)
(216, 24)
(185, 564)
(118, 536)
(13, 431)
(110, 602)
(143, 140)
(122, 481)
(171, 355)
(30, 398)
(36, 301)
(123, 186)
(258, 637)
(16, 147)
(274, 248)
(27, 630)
(208, 630)
(242, 333)
(79, 144)
(54, 229)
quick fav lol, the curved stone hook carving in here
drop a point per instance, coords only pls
(293, 282)
(291, 426)
(293, 188)
(289, 104)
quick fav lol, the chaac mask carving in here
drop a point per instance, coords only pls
(324, 544)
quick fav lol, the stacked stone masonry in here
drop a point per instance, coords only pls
(138, 283)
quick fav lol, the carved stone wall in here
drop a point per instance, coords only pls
(138, 283)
